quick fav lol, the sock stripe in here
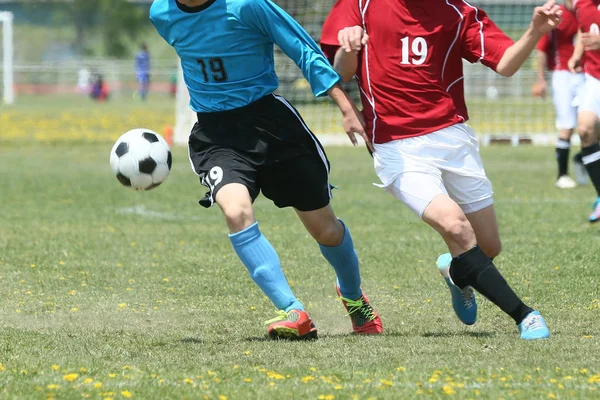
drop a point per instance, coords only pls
(591, 158)
(561, 144)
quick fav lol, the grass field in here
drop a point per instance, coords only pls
(110, 293)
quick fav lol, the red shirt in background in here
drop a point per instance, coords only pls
(588, 17)
(559, 44)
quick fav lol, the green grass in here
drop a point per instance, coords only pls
(109, 292)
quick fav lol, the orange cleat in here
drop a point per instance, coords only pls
(365, 320)
(292, 325)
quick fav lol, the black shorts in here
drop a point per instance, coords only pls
(266, 146)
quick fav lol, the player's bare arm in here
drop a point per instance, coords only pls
(545, 19)
(351, 40)
(590, 41)
(352, 119)
(540, 88)
(575, 60)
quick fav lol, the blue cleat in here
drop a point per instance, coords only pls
(534, 327)
(595, 217)
(463, 300)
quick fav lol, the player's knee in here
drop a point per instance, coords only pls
(586, 133)
(492, 250)
(458, 230)
(330, 234)
(238, 216)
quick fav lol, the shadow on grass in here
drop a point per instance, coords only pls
(327, 336)
(483, 334)
(192, 340)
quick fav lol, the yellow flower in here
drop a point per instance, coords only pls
(126, 393)
(338, 387)
(98, 385)
(2, 368)
(53, 386)
(551, 396)
(72, 292)
(188, 380)
(55, 367)
(326, 397)
(247, 380)
(70, 377)
(112, 375)
(83, 370)
(222, 397)
(275, 375)
(88, 380)
(448, 390)
(74, 309)
(386, 382)
(401, 369)
(307, 378)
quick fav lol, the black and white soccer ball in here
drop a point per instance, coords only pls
(141, 159)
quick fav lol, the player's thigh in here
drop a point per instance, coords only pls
(463, 173)
(485, 226)
(564, 91)
(404, 167)
(301, 182)
(217, 166)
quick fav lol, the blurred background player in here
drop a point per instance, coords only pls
(553, 52)
(248, 140)
(588, 47)
(425, 155)
(142, 71)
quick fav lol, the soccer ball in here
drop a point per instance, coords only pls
(141, 159)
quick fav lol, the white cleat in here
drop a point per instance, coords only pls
(565, 182)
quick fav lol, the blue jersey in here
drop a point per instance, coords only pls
(226, 50)
(142, 63)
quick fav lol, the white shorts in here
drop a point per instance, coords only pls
(566, 88)
(590, 95)
(415, 170)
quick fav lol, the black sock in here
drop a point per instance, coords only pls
(475, 269)
(591, 160)
(562, 156)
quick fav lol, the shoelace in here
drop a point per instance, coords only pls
(281, 316)
(467, 297)
(360, 306)
(533, 323)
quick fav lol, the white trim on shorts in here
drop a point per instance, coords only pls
(313, 137)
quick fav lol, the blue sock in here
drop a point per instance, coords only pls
(344, 260)
(262, 263)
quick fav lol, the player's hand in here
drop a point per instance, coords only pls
(574, 65)
(354, 123)
(546, 18)
(539, 89)
(590, 41)
(352, 39)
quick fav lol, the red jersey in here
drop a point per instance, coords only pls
(588, 17)
(410, 73)
(559, 44)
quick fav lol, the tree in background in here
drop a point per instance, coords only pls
(117, 23)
